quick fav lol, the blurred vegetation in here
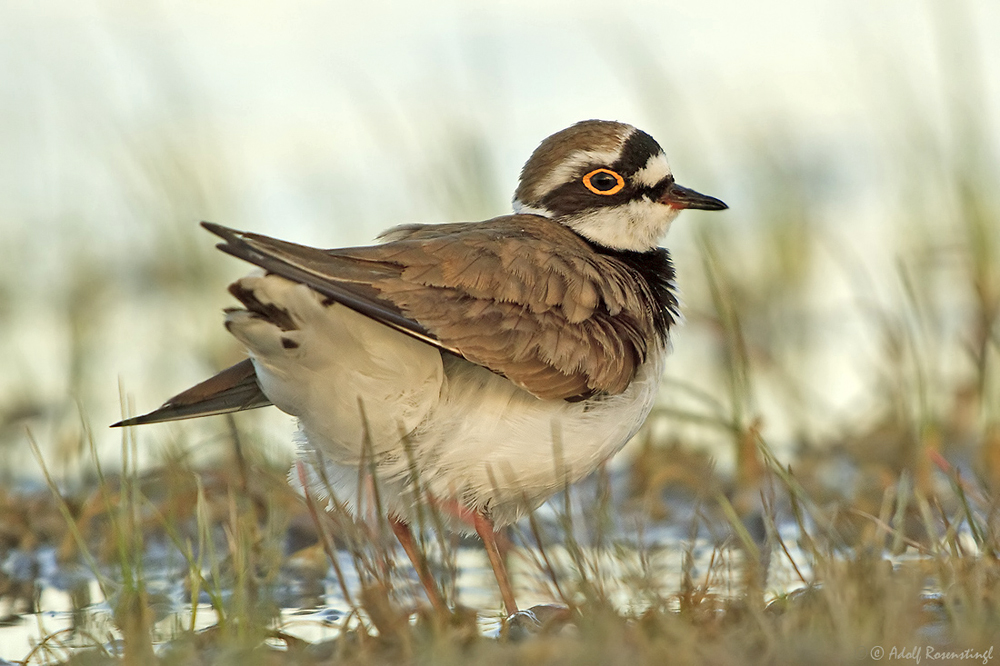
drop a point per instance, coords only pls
(891, 494)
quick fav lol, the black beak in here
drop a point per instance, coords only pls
(682, 197)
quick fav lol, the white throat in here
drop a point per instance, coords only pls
(638, 225)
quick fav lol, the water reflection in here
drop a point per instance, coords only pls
(69, 601)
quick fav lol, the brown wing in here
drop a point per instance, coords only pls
(521, 295)
(232, 390)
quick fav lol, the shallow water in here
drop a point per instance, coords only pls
(69, 597)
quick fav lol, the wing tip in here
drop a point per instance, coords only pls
(234, 242)
(151, 417)
(230, 237)
(218, 229)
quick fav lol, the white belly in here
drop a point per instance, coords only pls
(368, 397)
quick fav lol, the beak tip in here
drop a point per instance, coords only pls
(709, 203)
(682, 197)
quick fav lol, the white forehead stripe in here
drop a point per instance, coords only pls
(656, 169)
(568, 168)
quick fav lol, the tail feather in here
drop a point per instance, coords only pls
(233, 390)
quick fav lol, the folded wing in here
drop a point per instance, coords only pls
(521, 295)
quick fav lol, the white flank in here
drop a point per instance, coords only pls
(469, 435)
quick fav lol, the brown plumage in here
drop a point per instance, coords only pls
(521, 295)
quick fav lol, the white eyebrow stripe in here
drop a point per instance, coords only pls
(656, 170)
(566, 171)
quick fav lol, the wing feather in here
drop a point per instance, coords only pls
(521, 295)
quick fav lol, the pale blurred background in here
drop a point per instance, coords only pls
(852, 284)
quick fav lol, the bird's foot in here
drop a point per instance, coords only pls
(541, 619)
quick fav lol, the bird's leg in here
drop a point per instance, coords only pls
(454, 508)
(484, 527)
(409, 544)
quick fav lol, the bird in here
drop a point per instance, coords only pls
(479, 367)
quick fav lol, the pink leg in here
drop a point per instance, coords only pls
(484, 527)
(454, 509)
(405, 537)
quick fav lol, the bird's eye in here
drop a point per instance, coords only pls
(603, 181)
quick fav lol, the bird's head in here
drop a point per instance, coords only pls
(609, 182)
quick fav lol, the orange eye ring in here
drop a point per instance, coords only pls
(619, 182)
